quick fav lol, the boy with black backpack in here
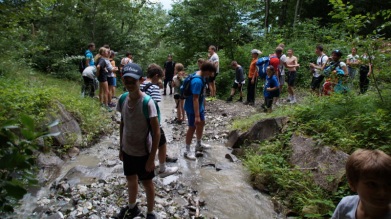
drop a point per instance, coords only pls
(139, 140)
(194, 107)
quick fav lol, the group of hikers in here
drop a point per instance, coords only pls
(142, 137)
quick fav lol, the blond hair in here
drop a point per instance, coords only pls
(364, 163)
(102, 50)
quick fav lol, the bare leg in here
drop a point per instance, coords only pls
(132, 188)
(150, 191)
(189, 134)
(162, 153)
(200, 130)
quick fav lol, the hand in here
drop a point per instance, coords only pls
(121, 155)
(197, 120)
(150, 165)
(312, 65)
(298, 65)
(252, 81)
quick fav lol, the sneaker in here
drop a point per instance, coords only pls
(151, 216)
(109, 109)
(209, 98)
(293, 100)
(229, 99)
(246, 103)
(189, 156)
(171, 159)
(126, 212)
(251, 104)
(112, 104)
(240, 100)
(202, 147)
(168, 171)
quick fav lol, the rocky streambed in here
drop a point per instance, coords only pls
(92, 185)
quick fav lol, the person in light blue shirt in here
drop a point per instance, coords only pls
(89, 56)
(195, 109)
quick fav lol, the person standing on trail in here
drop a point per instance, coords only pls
(195, 109)
(139, 140)
(150, 87)
(169, 67)
(89, 56)
(111, 78)
(316, 68)
(292, 63)
(101, 74)
(214, 58)
(124, 61)
(252, 77)
(177, 82)
(238, 83)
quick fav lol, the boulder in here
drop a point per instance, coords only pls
(231, 157)
(68, 127)
(50, 167)
(327, 164)
(260, 131)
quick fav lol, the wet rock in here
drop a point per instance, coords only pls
(68, 127)
(231, 157)
(73, 152)
(57, 215)
(326, 164)
(50, 167)
(111, 163)
(238, 152)
(233, 137)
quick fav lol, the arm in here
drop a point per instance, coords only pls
(370, 69)
(345, 69)
(154, 122)
(97, 70)
(196, 108)
(121, 129)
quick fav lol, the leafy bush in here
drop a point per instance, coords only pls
(17, 162)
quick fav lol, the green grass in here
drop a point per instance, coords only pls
(25, 91)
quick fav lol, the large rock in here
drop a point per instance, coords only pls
(50, 167)
(262, 130)
(327, 165)
(68, 127)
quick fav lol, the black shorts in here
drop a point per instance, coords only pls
(102, 78)
(316, 81)
(136, 166)
(236, 86)
(163, 139)
(291, 78)
(212, 78)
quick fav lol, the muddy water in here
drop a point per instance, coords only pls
(220, 183)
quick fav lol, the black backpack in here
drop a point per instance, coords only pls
(82, 65)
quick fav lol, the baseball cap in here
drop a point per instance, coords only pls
(256, 51)
(133, 70)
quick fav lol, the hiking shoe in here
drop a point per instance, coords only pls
(229, 99)
(251, 104)
(168, 171)
(112, 104)
(202, 147)
(240, 100)
(171, 159)
(189, 156)
(151, 216)
(209, 98)
(126, 212)
(246, 103)
(293, 100)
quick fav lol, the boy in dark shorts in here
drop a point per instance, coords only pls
(271, 88)
(138, 146)
(238, 83)
(150, 87)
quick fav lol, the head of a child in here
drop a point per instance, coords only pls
(207, 69)
(178, 68)
(369, 174)
(199, 62)
(270, 71)
(234, 64)
(132, 76)
(154, 73)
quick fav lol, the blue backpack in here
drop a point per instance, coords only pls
(185, 90)
(262, 64)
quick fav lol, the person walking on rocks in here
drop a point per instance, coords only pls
(214, 58)
(195, 109)
(139, 140)
(150, 87)
(238, 83)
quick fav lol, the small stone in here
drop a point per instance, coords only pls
(73, 152)
(231, 157)
(111, 163)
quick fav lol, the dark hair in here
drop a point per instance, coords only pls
(272, 69)
(128, 54)
(91, 45)
(106, 46)
(154, 69)
(279, 50)
(169, 55)
(208, 66)
(337, 52)
(319, 47)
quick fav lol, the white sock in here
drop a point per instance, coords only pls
(131, 206)
(162, 167)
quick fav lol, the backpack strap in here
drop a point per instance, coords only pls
(146, 100)
(122, 99)
(146, 87)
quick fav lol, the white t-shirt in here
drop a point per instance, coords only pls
(135, 129)
(319, 62)
(353, 58)
(126, 60)
(215, 58)
(89, 72)
(281, 66)
(347, 208)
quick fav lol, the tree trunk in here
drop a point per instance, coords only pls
(296, 12)
(283, 13)
(267, 8)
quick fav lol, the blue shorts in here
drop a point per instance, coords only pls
(111, 81)
(191, 118)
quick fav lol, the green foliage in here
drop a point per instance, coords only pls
(17, 161)
(295, 188)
